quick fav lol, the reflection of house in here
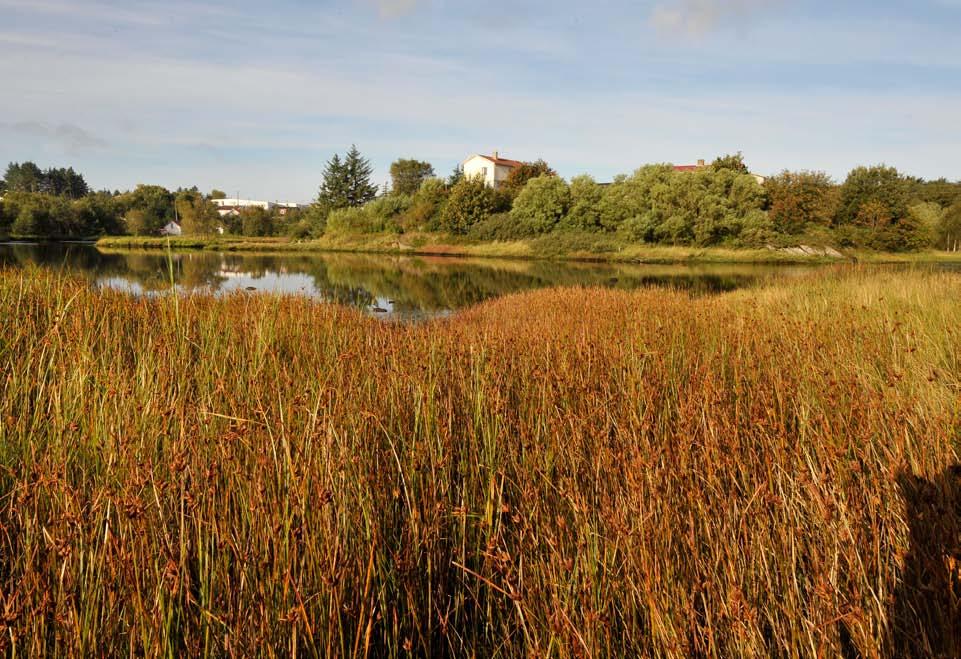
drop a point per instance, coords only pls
(234, 206)
(171, 229)
(702, 165)
(493, 170)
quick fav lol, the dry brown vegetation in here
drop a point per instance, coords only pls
(576, 472)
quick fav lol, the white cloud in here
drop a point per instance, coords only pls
(698, 17)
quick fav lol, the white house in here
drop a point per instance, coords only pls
(493, 170)
(171, 229)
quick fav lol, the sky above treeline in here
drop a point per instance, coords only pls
(254, 97)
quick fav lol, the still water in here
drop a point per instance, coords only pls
(400, 287)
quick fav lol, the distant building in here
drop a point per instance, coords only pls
(493, 170)
(234, 206)
(690, 168)
(171, 229)
(702, 165)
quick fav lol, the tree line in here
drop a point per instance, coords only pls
(875, 207)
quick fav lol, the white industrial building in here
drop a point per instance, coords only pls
(233, 206)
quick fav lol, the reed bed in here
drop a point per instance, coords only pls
(570, 472)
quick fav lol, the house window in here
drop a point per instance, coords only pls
(484, 172)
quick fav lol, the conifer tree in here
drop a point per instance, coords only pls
(334, 189)
(358, 171)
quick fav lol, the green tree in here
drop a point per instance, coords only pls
(425, 207)
(26, 177)
(470, 201)
(217, 194)
(137, 223)
(948, 234)
(799, 199)
(586, 197)
(358, 171)
(98, 214)
(334, 188)
(734, 162)
(347, 181)
(455, 176)
(643, 198)
(35, 216)
(408, 175)
(256, 222)
(154, 202)
(519, 176)
(197, 216)
(542, 203)
(5, 218)
(880, 186)
(940, 191)
(63, 182)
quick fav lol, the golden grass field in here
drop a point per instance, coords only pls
(570, 472)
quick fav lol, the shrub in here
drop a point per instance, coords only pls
(354, 220)
(426, 205)
(501, 226)
(256, 222)
(470, 202)
(315, 217)
(299, 230)
(586, 195)
(635, 196)
(542, 203)
(389, 206)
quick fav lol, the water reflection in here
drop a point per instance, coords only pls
(400, 287)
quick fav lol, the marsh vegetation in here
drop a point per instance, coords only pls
(608, 473)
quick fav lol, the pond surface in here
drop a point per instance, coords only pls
(400, 287)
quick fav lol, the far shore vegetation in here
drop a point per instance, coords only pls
(717, 212)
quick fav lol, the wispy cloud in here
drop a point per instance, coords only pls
(70, 137)
(698, 17)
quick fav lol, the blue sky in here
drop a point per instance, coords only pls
(254, 97)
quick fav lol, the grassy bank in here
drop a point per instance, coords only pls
(558, 473)
(573, 247)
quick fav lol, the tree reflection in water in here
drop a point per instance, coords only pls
(406, 286)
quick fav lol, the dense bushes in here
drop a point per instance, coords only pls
(501, 227)
(722, 204)
(470, 201)
(542, 203)
(37, 214)
(658, 204)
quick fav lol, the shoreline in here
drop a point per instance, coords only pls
(600, 252)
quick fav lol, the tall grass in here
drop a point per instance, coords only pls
(574, 472)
